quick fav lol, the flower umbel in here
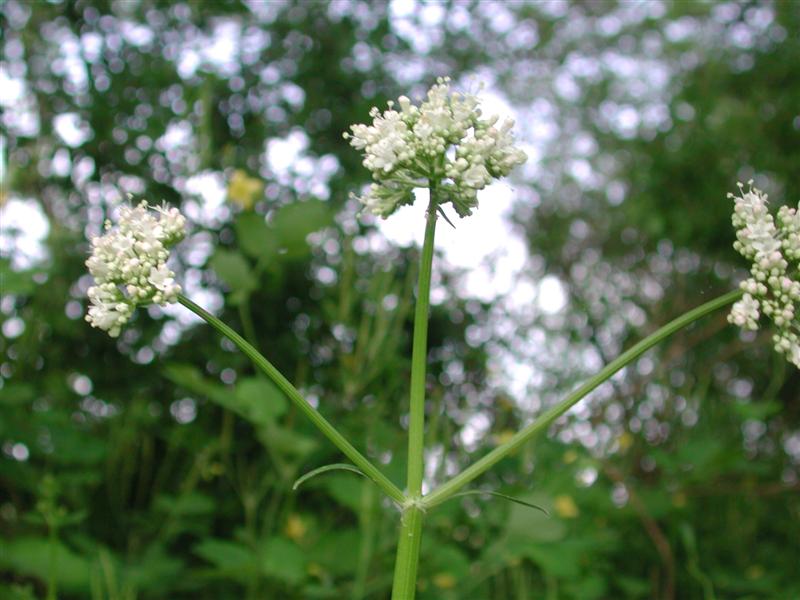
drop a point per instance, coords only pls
(773, 290)
(129, 265)
(443, 142)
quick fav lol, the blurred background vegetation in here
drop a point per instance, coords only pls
(159, 466)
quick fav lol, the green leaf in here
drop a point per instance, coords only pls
(255, 399)
(559, 560)
(235, 271)
(657, 503)
(230, 558)
(255, 237)
(75, 447)
(446, 565)
(588, 586)
(15, 282)
(17, 592)
(327, 551)
(186, 376)
(326, 469)
(17, 394)
(758, 411)
(191, 504)
(703, 454)
(192, 379)
(633, 587)
(345, 489)
(258, 400)
(532, 525)
(288, 442)
(294, 222)
(155, 570)
(282, 560)
(42, 558)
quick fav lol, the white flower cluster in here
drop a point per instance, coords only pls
(773, 289)
(443, 143)
(129, 267)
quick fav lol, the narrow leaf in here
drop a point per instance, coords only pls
(440, 210)
(325, 469)
(503, 496)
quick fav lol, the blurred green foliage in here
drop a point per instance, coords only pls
(160, 465)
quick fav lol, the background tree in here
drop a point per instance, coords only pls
(160, 466)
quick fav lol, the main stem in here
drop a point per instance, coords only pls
(419, 356)
(405, 571)
(405, 568)
(297, 399)
(446, 490)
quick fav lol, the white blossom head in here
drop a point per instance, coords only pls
(129, 265)
(773, 247)
(444, 143)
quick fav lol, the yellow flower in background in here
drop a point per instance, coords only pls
(444, 581)
(570, 456)
(243, 189)
(754, 572)
(211, 470)
(565, 507)
(624, 441)
(504, 402)
(502, 437)
(295, 528)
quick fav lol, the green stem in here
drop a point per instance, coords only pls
(247, 321)
(294, 396)
(52, 581)
(449, 488)
(407, 560)
(367, 526)
(405, 568)
(419, 355)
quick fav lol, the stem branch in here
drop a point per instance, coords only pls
(449, 488)
(297, 399)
